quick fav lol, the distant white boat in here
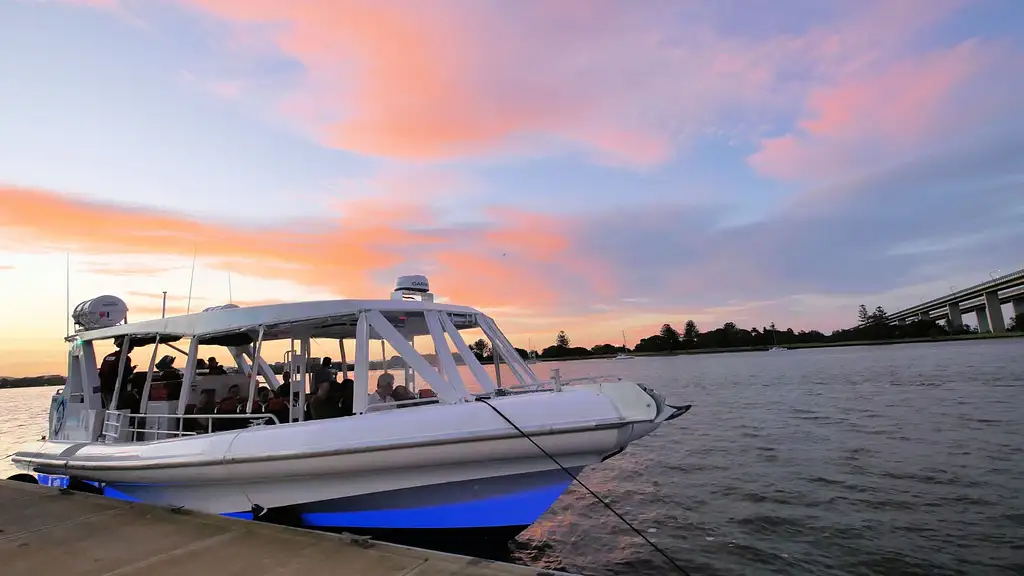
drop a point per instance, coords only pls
(623, 355)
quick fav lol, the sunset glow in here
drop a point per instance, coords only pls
(584, 165)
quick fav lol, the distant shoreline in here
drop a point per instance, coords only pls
(54, 380)
(50, 380)
(736, 349)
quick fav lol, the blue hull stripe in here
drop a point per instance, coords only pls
(518, 509)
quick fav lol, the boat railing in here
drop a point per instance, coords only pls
(554, 385)
(114, 428)
(401, 404)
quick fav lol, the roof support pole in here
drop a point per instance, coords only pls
(255, 371)
(125, 346)
(149, 375)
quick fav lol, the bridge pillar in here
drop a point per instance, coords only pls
(983, 321)
(901, 321)
(955, 318)
(995, 312)
(1018, 306)
(924, 316)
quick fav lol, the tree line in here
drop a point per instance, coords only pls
(874, 325)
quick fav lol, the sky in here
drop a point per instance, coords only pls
(582, 165)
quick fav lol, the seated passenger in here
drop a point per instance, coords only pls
(233, 403)
(164, 371)
(207, 405)
(346, 391)
(321, 406)
(385, 386)
(214, 368)
(169, 379)
(279, 408)
(264, 399)
(401, 393)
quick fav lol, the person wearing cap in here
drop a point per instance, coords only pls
(214, 368)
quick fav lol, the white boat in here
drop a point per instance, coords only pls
(625, 349)
(455, 465)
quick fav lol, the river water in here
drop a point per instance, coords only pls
(903, 459)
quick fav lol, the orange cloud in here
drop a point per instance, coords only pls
(347, 255)
(870, 118)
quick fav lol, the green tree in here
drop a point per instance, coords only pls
(863, 315)
(690, 331)
(671, 336)
(562, 341)
(1016, 323)
(879, 316)
(668, 332)
(481, 348)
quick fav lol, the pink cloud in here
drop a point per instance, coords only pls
(867, 119)
(625, 84)
(445, 80)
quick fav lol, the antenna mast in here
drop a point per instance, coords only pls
(67, 295)
(190, 279)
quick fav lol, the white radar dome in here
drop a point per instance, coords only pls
(224, 307)
(100, 312)
(413, 283)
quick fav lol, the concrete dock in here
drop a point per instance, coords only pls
(46, 531)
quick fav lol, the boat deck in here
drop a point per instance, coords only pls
(47, 531)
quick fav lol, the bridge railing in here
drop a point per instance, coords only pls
(935, 302)
(952, 297)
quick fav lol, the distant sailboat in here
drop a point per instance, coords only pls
(623, 355)
(531, 353)
(775, 337)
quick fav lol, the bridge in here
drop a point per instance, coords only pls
(985, 300)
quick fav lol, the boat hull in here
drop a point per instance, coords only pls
(401, 475)
(476, 514)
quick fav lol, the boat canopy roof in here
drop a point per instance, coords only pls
(235, 326)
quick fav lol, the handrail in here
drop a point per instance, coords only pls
(181, 417)
(389, 405)
(549, 384)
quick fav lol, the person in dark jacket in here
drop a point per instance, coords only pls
(108, 371)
